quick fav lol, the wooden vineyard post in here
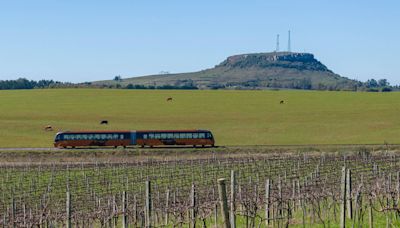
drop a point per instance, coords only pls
(166, 207)
(216, 215)
(267, 201)
(13, 212)
(233, 203)
(348, 195)
(343, 199)
(68, 208)
(280, 201)
(223, 202)
(148, 204)
(370, 218)
(124, 211)
(193, 207)
(398, 188)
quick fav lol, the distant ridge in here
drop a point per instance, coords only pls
(253, 71)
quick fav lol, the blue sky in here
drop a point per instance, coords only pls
(87, 40)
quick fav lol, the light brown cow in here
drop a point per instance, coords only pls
(48, 128)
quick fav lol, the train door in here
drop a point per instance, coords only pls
(133, 137)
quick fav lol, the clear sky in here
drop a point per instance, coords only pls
(83, 40)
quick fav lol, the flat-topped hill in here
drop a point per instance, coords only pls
(253, 71)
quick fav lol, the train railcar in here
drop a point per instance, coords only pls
(173, 137)
(151, 138)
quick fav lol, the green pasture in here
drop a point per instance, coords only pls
(235, 117)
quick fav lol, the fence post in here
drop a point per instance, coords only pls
(68, 208)
(233, 202)
(223, 202)
(148, 204)
(343, 199)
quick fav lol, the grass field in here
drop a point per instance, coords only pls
(235, 117)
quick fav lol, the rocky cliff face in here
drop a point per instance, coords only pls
(300, 61)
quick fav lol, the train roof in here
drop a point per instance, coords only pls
(125, 131)
(173, 131)
(88, 132)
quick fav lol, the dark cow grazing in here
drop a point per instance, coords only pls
(48, 128)
(282, 102)
(104, 122)
(169, 99)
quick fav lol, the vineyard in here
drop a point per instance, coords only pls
(261, 190)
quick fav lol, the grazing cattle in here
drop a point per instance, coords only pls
(282, 102)
(169, 99)
(104, 122)
(48, 128)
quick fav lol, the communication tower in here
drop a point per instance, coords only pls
(277, 43)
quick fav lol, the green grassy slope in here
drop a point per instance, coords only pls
(235, 117)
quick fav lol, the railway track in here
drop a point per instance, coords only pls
(294, 146)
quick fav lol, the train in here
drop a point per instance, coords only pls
(142, 138)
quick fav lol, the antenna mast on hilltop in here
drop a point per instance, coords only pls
(289, 49)
(277, 43)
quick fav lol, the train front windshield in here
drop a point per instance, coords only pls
(58, 137)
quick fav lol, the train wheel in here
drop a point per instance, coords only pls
(202, 146)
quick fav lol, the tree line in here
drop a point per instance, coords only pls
(23, 83)
(371, 85)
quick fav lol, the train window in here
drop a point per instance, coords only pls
(90, 136)
(71, 137)
(84, 136)
(176, 135)
(182, 135)
(144, 136)
(189, 135)
(195, 135)
(157, 135)
(202, 135)
(66, 137)
(121, 136)
(163, 135)
(208, 135)
(115, 136)
(151, 136)
(170, 136)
